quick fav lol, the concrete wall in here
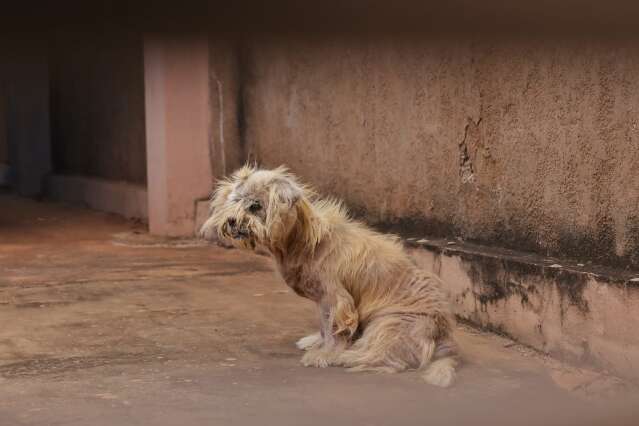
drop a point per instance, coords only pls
(28, 118)
(226, 103)
(575, 312)
(4, 143)
(97, 107)
(531, 145)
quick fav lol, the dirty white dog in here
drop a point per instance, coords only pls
(378, 311)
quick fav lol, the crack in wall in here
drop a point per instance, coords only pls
(466, 167)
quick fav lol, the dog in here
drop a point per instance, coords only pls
(378, 311)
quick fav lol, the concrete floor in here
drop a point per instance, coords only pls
(101, 324)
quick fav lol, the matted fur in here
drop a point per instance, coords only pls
(378, 311)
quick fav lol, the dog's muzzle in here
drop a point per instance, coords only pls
(235, 231)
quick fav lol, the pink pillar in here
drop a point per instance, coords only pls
(176, 77)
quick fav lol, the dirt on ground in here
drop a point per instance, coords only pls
(102, 324)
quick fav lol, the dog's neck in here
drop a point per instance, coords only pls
(305, 233)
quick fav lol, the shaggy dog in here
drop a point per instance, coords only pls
(378, 311)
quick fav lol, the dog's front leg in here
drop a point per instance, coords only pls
(310, 341)
(344, 315)
(338, 323)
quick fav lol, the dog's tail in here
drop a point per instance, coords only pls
(439, 366)
(441, 372)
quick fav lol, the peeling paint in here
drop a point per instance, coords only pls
(466, 168)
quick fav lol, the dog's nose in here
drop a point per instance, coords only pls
(231, 222)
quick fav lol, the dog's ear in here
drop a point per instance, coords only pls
(287, 190)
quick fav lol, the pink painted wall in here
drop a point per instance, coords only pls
(178, 126)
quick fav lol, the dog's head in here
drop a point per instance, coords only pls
(257, 208)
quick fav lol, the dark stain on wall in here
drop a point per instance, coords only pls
(577, 244)
(499, 276)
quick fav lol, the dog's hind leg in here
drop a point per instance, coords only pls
(396, 343)
(385, 346)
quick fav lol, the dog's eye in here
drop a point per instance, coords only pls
(255, 207)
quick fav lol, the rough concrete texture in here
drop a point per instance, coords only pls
(575, 312)
(97, 106)
(226, 105)
(103, 325)
(529, 145)
(126, 199)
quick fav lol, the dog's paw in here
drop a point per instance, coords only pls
(308, 342)
(317, 359)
